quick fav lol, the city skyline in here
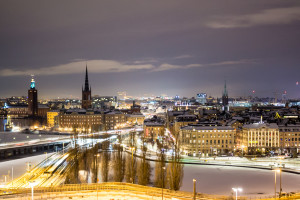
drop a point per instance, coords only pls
(143, 47)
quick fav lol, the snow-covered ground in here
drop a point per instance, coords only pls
(210, 179)
(221, 180)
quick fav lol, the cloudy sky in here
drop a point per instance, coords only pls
(150, 47)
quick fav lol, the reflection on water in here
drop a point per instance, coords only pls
(98, 164)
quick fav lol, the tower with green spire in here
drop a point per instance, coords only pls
(32, 99)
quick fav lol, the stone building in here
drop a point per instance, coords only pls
(203, 140)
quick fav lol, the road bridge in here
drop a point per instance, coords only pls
(18, 144)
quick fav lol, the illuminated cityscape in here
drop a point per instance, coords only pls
(150, 100)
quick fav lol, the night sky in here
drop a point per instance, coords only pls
(148, 47)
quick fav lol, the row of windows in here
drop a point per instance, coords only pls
(80, 120)
(289, 130)
(210, 141)
(291, 134)
(201, 147)
(115, 117)
(86, 116)
(209, 136)
(78, 123)
(208, 131)
(111, 121)
(292, 144)
(291, 139)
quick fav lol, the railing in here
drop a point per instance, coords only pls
(133, 189)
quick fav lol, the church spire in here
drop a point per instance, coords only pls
(86, 92)
(86, 84)
(225, 90)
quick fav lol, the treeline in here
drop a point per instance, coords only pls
(107, 162)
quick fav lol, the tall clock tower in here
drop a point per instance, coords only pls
(32, 99)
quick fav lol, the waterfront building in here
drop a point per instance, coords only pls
(261, 137)
(86, 93)
(32, 99)
(290, 138)
(207, 140)
(80, 121)
(17, 111)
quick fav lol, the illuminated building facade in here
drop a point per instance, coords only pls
(114, 120)
(202, 140)
(290, 137)
(32, 99)
(86, 93)
(52, 118)
(181, 121)
(261, 137)
(201, 98)
(17, 111)
(80, 121)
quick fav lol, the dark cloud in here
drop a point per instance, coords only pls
(140, 46)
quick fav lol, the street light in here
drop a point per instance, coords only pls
(12, 176)
(280, 189)
(163, 181)
(95, 165)
(276, 170)
(194, 181)
(236, 190)
(31, 184)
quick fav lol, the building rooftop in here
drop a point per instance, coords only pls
(207, 128)
(261, 125)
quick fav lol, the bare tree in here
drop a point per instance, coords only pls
(175, 167)
(118, 162)
(94, 163)
(73, 170)
(160, 172)
(144, 169)
(105, 158)
(130, 169)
